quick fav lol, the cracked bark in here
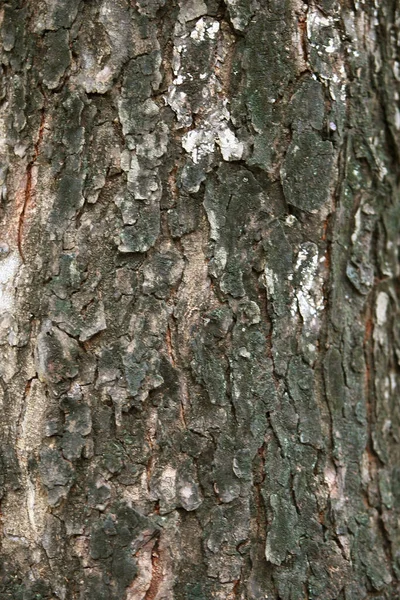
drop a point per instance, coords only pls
(199, 300)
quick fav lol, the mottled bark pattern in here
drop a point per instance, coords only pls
(199, 300)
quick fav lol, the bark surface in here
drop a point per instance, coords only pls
(199, 300)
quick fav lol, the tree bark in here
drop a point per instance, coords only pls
(199, 298)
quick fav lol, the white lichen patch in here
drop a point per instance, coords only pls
(324, 39)
(290, 220)
(9, 267)
(189, 496)
(220, 254)
(201, 141)
(202, 93)
(203, 30)
(308, 297)
(397, 118)
(381, 309)
(231, 148)
(331, 47)
(382, 303)
(244, 353)
(270, 279)
(357, 228)
(315, 21)
(335, 478)
(178, 101)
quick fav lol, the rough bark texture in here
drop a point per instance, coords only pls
(199, 331)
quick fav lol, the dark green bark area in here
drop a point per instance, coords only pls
(214, 330)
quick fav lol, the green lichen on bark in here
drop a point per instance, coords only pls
(199, 300)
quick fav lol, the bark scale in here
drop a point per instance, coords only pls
(199, 300)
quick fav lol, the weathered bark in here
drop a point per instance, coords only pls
(199, 299)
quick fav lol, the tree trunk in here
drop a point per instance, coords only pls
(199, 300)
